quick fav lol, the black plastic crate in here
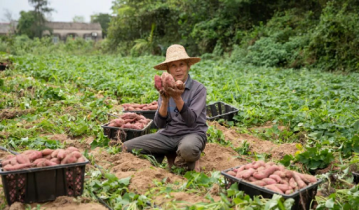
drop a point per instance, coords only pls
(355, 177)
(220, 110)
(38, 185)
(124, 134)
(149, 114)
(302, 198)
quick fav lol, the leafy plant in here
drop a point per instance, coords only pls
(315, 157)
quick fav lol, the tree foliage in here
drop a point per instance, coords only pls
(285, 33)
(104, 20)
(32, 23)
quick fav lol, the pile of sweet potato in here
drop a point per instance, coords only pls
(167, 80)
(140, 107)
(130, 120)
(46, 157)
(273, 177)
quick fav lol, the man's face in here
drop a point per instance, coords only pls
(179, 70)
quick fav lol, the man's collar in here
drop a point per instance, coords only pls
(188, 82)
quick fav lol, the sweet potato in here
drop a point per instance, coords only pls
(179, 85)
(288, 173)
(259, 183)
(276, 178)
(69, 159)
(35, 155)
(13, 161)
(47, 152)
(117, 122)
(5, 162)
(76, 154)
(258, 164)
(274, 188)
(27, 152)
(265, 173)
(54, 153)
(248, 166)
(167, 80)
(280, 174)
(16, 167)
(232, 173)
(129, 116)
(61, 154)
(283, 187)
(308, 178)
(292, 183)
(248, 173)
(153, 107)
(50, 163)
(55, 160)
(81, 160)
(299, 181)
(269, 181)
(22, 159)
(158, 83)
(252, 179)
(38, 161)
(132, 126)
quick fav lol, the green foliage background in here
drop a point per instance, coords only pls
(280, 33)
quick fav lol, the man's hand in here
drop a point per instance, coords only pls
(174, 92)
(165, 97)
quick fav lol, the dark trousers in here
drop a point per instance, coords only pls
(188, 147)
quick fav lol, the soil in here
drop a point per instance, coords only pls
(259, 146)
(214, 158)
(13, 113)
(62, 202)
(82, 144)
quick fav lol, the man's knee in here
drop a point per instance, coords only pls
(189, 152)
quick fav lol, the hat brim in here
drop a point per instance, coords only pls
(163, 65)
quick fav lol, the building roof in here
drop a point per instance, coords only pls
(73, 26)
(4, 28)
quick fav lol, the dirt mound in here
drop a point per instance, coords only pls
(219, 158)
(119, 163)
(62, 202)
(143, 180)
(181, 199)
(74, 142)
(13, 113)
(278, 151)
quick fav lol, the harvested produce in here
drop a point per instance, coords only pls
(130, 120)
(165, 81)
(273, 177)
(140, 107)
(46, 157)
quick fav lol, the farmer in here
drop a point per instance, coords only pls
(181, 116)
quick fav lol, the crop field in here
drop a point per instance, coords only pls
(306, 120)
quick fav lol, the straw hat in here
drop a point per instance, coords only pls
(176, 52)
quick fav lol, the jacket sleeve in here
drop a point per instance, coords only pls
(189, 113)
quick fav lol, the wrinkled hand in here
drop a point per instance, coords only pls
(164, 96)
(175, 93)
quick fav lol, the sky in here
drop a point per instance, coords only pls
(65, 10)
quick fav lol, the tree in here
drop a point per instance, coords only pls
(40, 9)
(104, 20)
(78, 19)
(27, 24)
